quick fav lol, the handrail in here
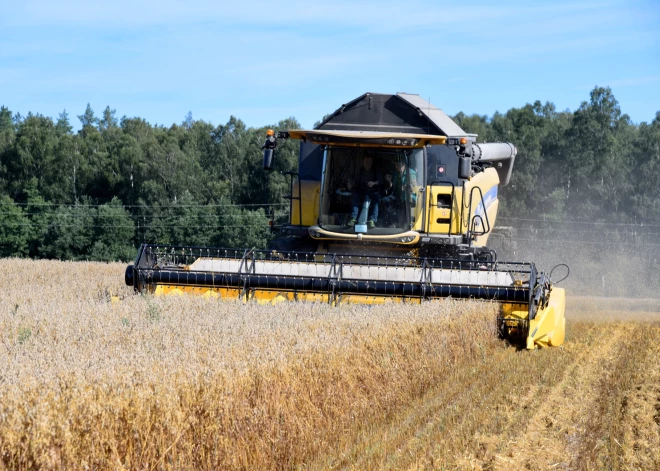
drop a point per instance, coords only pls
(470, 219)
(290, 196)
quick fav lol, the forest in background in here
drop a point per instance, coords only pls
(96, 193)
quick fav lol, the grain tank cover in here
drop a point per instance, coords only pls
(401, 113)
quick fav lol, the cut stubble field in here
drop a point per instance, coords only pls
(194, 383)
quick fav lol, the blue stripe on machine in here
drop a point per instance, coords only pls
(489, 197)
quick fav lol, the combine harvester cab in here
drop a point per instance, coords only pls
(392, 202)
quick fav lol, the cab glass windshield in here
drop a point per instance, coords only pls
(373, 191)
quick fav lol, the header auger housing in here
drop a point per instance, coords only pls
(392, 202)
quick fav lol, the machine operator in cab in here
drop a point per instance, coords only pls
(398, 186)
(366, 189)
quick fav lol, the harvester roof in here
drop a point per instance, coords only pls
(399, 113)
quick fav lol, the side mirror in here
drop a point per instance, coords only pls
(269, 150)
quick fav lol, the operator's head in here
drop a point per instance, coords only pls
(368, 160)
(400, 166)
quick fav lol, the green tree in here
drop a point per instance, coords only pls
(71, 169)
(133, 153)
(88, 118)
(131, 167)
(32, 155)
(109, 120)
(7, 138)
(525, 127)
(14, 229)
(63, 125)
(70, 232)
(243, 228)
(170, 170)
(114, 233)
(229, 164)
(596, 162)
(152, 225)
(93, 148)
(645, 170)
(189, 223)
(39, 213)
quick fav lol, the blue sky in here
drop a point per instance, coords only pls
(266, 61)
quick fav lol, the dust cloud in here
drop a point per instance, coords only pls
(604, 261)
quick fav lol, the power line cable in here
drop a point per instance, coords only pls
(138, 216)
(580, 222)
(134, 226)
(213, 205)
(582, 242)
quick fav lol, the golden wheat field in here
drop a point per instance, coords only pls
(190, 383)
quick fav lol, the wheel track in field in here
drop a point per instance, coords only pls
(641, 426)
(547, 409)
(629, 409)
(368, 452)
(491, 398)
(551, 438)
(530, 425)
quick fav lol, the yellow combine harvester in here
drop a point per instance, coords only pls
(392, 202)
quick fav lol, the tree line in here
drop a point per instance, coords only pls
(98, 192)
